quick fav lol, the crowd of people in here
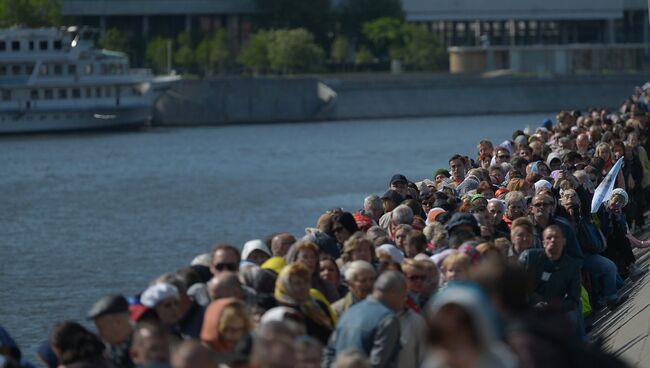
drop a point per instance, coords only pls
(495, 261)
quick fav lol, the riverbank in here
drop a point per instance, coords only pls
(229, 100)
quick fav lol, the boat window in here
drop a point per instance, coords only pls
(30, 69)
(31, 45)
(43, 69)
(72, 69)
(89, 92)
(98, 92)
(88, 68)
(3, 70)
(15, 45)
(6, 95)
(76, 93)
(48, 94)
(15, 69)
(42, 45)
(57, 45)
(58, 69)
(63, 93)
(34, 94)
(3, 46)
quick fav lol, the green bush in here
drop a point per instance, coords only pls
(156, 54)
(213, 52)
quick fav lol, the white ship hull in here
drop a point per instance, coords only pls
(42, 121)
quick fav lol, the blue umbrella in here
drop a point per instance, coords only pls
(604, 190)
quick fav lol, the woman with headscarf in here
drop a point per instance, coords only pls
(308, 254)
(292, 290)
(225, 323)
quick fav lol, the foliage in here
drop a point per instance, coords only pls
(294, 50)
(352, 14)
(255, 55)
(340, 49)
(364, 56)
(184, 55)
(212, 52)
(386, 35)
(156, 54)
(114, 40)
(283, 51)
(30, 13)
(422, 50)
(312, 15)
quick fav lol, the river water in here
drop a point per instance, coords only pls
(83, 215)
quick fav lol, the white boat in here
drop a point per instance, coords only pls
(56, 79)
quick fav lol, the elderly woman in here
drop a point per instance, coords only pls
(358, 248)
(614, 226)
(292, 290)
(360, 276)
(308, 254)
(515, 207)
(225, 323)
(521, 235)
(330, 273)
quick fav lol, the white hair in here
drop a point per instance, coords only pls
(355, 267)
(402, 214)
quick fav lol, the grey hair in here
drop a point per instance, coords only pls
(355, 267)
(390, 280)
(515, 196)
(372, 201)
(402, 214)
(172, 279)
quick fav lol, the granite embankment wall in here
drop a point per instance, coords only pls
(265, 100)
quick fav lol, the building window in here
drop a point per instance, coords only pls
(89, 92)
(98, 92)
(15, 45)
(30, 69)
(48, 94)
(58, 69)
(76, 93)
(15, 69)
(34, 94)
(31, 45)
(57, 45)
(63, 93)
(42, 45)
(3, 70)
(72, 69)
(109, 91)
(3, 46)
(6, 95)
(43, 69)
(88, 69)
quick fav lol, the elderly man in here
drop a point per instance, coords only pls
(190, 313)
(360, 276)
(402, 214)
(583, 145)
(556, 277)
(372, 205)
(371, 326)
(399, 184)
(543, 215)
(515, 207)
(225, 285)
(457, 168)
(281, 243)
(164, 299)
(111, 317)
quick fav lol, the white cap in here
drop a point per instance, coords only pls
(157, 293)
(252, 245)
(393, 251)
(543, 184)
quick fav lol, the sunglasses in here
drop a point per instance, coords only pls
(542, 204)
(225, 267)
(337, 229)
(503, 156)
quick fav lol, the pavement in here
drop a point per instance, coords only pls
(625, 330)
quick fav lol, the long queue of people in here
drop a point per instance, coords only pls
(495, 261)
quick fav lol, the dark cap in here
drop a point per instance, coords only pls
(444, 172)
(110, 304)
(461, 218)
(398, 178)
(393, 196)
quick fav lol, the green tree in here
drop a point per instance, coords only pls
(422, 50)
(340, 49)
(387, 36)
(313, 15)
(114, 40)
(156, 54)
(184, 54)
(352, 14)
(213, 52)
(30, 13)
(364, 56)
(294, 50)
(255, 55)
